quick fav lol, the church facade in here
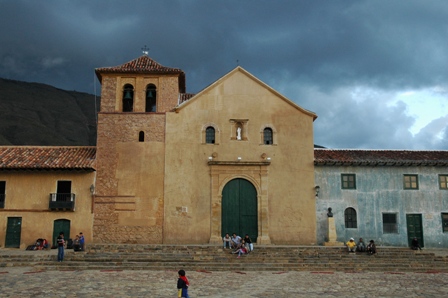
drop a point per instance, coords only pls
(178, 168)
(237, 157)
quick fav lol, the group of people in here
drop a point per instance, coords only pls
(361, 246)
(238, 245)
(78, 244)
(40, 244)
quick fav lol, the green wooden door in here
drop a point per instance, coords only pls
(239, 209)
(415, 229)
(13, 232)
(61, 225)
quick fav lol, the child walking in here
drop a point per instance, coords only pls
(182, 285)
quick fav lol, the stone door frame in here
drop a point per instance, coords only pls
(221, 172)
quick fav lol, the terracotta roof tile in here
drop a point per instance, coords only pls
(380, 157)
(47, 158)
(142, 64)
(183, 97)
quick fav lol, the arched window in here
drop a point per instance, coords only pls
(141, 136)
(350, 218)
(128, 98)
(151, 98)
(210, 135)
(267, 136)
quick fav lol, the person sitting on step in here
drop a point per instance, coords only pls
(415, 245)
(248, 243)
(226, 241)
(361, 247)
(351, 245)
(371, 248)
(235, 241)
(242, 250)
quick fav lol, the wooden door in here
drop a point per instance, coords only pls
(415, 229)
(13, 232)
(239, 209)
(61, 225)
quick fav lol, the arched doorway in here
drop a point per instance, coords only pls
(239, 209)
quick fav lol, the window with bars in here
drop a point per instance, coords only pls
(348, 181)
(445, 222)
(350, 218)
(443, 181)
(268, 136)
(390, 223)
(410, 181)
(210, 135)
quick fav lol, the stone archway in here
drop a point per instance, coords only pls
(256, 173)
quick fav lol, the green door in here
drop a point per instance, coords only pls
(415, 229)
(239, 209)
(61, 225)
(13, 232)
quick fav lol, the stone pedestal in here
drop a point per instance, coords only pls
(332, 234)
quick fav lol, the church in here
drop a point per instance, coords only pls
(238, 157)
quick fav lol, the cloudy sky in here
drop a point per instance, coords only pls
(375, 72)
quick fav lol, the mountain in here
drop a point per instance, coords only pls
(39, 114)
(42, 115)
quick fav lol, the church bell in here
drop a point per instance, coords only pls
(127, 95)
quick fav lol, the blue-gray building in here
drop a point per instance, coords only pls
(390, 196)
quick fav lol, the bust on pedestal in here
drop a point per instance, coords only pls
(332, 236)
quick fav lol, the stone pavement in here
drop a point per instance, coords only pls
(24, 282)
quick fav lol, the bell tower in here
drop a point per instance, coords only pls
(129, 200)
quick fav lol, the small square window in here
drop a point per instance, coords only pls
(445, 222)
(348, 181)
(390, 223)
(443, 181)
(410, 181)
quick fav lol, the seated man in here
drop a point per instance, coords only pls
(351, 245)
(415, 245)
(236, 241)
(361, 247)
(371, 248)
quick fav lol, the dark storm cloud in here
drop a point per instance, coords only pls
(294, 46)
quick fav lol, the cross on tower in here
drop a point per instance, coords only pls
(145, 50)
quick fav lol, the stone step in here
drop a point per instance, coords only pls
(212, 258)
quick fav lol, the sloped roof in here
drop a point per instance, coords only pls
(142, 65)
(329, 157)
(47, 158)
(182, 104)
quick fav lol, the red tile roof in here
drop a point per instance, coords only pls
(142, 64)
(183, 97)
(379, 157)
(47, 158)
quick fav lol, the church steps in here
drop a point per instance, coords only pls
(212, 258)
